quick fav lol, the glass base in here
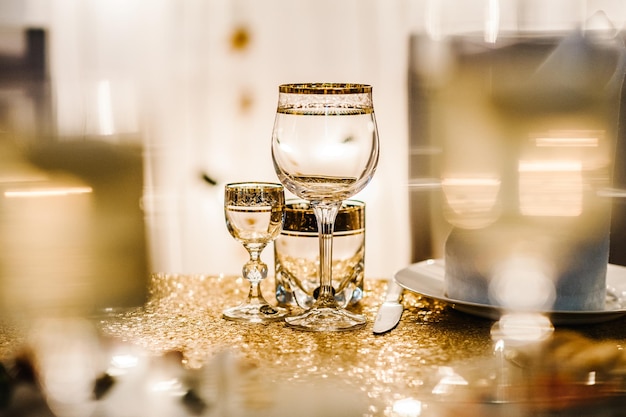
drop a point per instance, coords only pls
(327, 319)
(255, 313)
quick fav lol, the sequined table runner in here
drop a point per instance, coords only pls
(183, 314)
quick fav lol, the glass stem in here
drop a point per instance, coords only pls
(255, 271)
(325, 214)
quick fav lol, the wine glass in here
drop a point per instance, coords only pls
(325, 150)
(254, 216)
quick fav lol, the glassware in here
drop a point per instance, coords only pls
(523, 103)
(254, 215)
(325, 150)
(297, 255)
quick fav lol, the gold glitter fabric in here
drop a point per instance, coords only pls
(184, 314)
(392, 372)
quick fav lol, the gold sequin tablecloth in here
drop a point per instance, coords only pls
(184, 314)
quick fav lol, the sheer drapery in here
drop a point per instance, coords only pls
(197, 82)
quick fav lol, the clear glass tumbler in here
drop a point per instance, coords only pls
(296, 255)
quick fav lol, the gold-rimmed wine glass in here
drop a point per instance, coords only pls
(254, 216)
(325, 150)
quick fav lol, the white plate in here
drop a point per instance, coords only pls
(426, 278)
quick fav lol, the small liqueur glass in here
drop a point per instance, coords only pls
(254, 216)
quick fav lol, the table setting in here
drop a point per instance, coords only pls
(181, 332)
(499, 326)
(175, 244)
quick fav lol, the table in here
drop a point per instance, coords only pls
(183, 314)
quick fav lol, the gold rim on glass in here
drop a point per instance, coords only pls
(238, 192)
(325, 88)
(300, 218)
(254, 184)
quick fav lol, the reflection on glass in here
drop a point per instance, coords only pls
(521, 329)
(523, 283)
(589, 142)
(471, 201)
(448, 381)
(407, 407)
(121, 363)
(550, 188)
(47, 192)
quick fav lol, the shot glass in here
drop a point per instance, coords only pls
(296, 255)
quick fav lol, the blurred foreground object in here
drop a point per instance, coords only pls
(523, 103)
(72, 232)
(72, 235)
(66, 369)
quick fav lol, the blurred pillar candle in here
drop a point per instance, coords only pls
(70, 243)
(524, 103)
(55, 255)
(46, 246)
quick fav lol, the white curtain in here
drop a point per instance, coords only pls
(198, 81)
